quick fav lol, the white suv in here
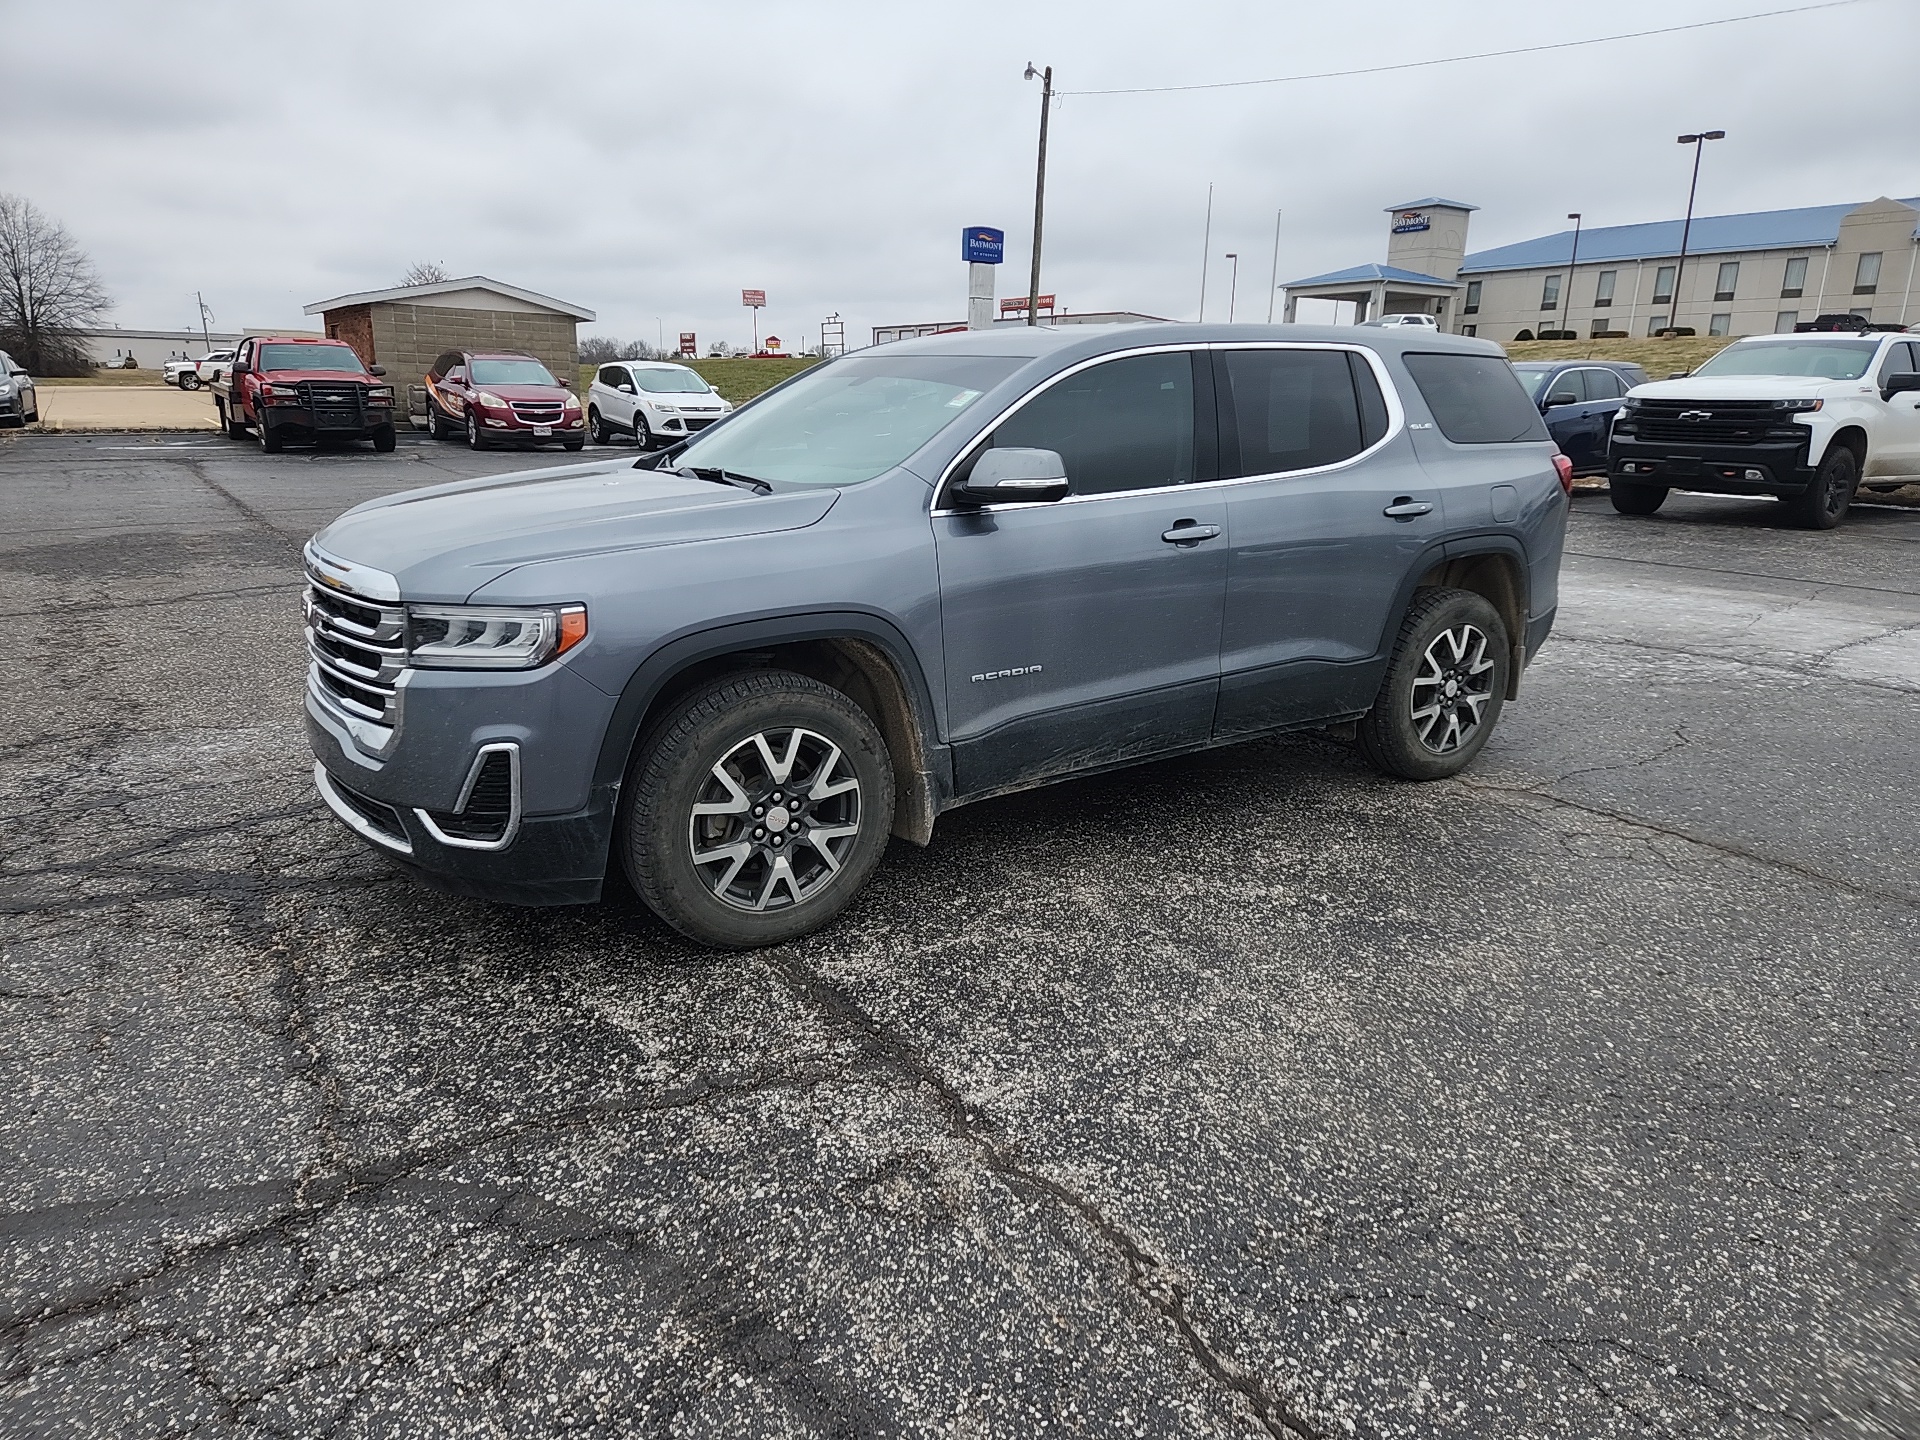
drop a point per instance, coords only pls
(654, 401)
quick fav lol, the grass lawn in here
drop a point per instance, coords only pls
(736, 380)
(105, 377)
(1659, 358)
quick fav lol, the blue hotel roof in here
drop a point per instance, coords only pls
(1811, 226)
(1370, 273)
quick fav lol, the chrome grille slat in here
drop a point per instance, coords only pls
(343, 632)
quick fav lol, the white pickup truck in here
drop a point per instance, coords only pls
(192, 374)
(1810, 418)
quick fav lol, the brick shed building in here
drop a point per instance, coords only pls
(408, 327)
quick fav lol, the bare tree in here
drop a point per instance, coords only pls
(425, 272)
(49, 290)
(599, 349)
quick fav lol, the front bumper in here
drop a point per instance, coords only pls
(334, 424)
(1772, 468)
(504, 425)
(683, 424)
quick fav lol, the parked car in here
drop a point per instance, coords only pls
(285, 389)
(19, 401)
(500, 397)
(1807, 418)
(1403, 319)
(911, 578)
(1579, 399)
(214, 366)
(189, 374)
(656, 402)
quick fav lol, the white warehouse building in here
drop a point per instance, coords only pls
(1748, 274)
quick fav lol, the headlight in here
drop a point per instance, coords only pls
(491, 637)
(1798, 404)
(6, 387)
(573, 400)
(379, 392)
(490, 400)
(666, 409)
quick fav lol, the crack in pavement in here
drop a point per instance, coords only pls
(1148, 1276)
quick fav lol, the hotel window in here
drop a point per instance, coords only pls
(1729, 277)
(1784, 322)
(1472, 307)
(1656, 323)
(1719, 324)
(1794, 284)
(1663, 285)
(1599, 327)
(1469, 329)
(1603, 288)
(1550, 293)
(1866, 275)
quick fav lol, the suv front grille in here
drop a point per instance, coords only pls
(358, 653)
(537, 412)
(1716, 422)
(336, 404)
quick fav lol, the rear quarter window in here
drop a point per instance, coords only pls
(1475, 399)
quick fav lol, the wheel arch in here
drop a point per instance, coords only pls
(1494, 568)
(863, 656)
(1854, 438)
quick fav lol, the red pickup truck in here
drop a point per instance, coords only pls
(287, 389)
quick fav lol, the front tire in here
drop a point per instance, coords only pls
(271, 440)
(1827, 498)
(1444, 687)
(642, 435)
(1636, 499)
(476, 437)
(757, 809)
(384, 439)
(189, 380)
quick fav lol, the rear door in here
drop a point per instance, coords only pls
(1086, 632)
(1897, 448)
(1330, 510)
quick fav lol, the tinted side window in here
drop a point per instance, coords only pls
(1373, 405)
(1899, 360)
(1604, 385)
(1476, 399)
(1123, 425)
(1567, 382)
(1293, 409)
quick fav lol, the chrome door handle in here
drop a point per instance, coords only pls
(1185, 532)
(1405, 507)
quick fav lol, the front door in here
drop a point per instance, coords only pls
(1086, 632)
(1896, 450)
(1332, 516)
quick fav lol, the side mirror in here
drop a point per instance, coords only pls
(1562, 397)
(1903, 383)
(376, 369)
(237, 370)
(19, 375)
(1679, 374)
(624, 389)
(1001, 477)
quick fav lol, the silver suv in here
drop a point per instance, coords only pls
(19, 401)
(919, 576)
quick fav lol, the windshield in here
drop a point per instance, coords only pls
(1817, 359)
(310, 357)
(1533, 377)
(670, 380)
(512, 372)
(848, 420)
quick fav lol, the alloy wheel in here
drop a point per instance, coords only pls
(1452, 688)
(775, 820)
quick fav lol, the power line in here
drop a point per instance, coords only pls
(1457, 59)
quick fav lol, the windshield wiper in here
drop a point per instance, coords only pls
(726, 477)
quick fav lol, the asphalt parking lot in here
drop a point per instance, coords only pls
(1241, 1095)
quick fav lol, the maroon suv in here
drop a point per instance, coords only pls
(498, 397)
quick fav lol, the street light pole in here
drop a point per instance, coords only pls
(1206, 253)
(1039, 188)
(1566, 308)
(1273, 280)
(1233, 285)
(1686, 230)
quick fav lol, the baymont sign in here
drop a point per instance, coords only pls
(1405, 221)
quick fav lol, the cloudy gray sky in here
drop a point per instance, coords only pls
(650, 160)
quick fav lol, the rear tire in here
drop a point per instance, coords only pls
(1444, 687)
(1636, 499)
(1825, 501)
(437, 426)
(782, 783)
(598, 428)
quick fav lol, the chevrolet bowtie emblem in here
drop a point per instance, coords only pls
(1696, 414)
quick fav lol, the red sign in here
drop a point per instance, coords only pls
(1019, 303)
(689, 343)
(772, 342)
(755, 298)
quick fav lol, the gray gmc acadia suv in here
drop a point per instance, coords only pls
(918, 576)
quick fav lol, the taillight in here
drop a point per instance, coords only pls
(1563, 467)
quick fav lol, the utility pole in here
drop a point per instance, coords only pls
(1273, 279)
(1206, 251)
(1686, 230)
(1233, 286)
(1039, 187)
(206, 340)
(1566, 308)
